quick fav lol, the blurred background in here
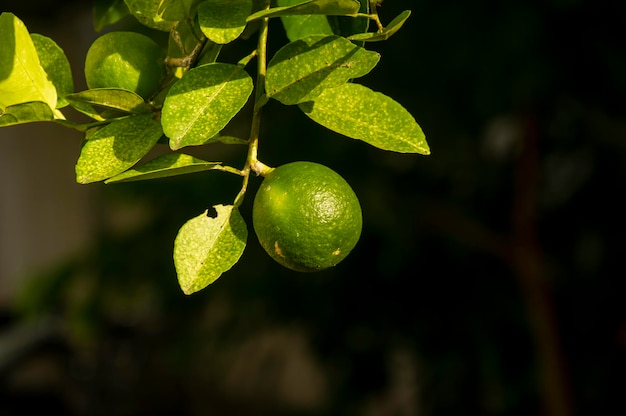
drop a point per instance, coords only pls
(487, 280)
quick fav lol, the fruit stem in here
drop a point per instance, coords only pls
(252, 163)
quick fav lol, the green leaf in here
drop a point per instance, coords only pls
(171, 164)
(386, 33)
(86, 109)
(347, 26)
(301, 70)
(108, 12)
(175, 10)
(116, 147)
(298, 27)
(151, 13)
(202, 103)
(207, 246)
(25, 113)
(360, 113)
(323, 7)
(223, 21)
(57, 67)
(210, 52)
(112, 98)
(22, 78)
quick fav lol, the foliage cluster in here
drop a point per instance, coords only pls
(192, 96)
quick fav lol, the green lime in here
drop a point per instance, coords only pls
(306, 216)
(127, 60)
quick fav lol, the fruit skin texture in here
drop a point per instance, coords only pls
(127, 60)
(306, 216)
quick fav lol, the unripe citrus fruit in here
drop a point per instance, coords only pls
(306, 216)
(127, 60)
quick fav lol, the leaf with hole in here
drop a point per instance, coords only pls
(171, 164)
(207, 246)
(116, 147)
(301, 70)
(202, 103)
(360, 113)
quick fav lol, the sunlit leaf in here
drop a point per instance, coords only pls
(171, 164)
(223, 21)
(322, 7)
(202, 103)
(386, 33)
(116, 147)
(360, 113)
(112, 98)
(22, 78)
(55, 63)
(208, 245)
(301, 70)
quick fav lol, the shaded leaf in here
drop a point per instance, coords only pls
(25, 113)
(22, 78)
(207, 246)
(298, 27)
(108, 12)
(172, 164)
(182, 41)
(360, 113)
(209, 53)
(322, 7)
(347, 26)
(151, 13)
(202, 103)
(232, 140)
(386, 33)
(86, 109)
(116, 147)
(112, 98)
(223, 21)
(301, 70)
(175, 10)
(55, 63)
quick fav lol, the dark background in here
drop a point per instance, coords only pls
(487, 280)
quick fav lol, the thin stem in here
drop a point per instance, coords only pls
(243, 62)
(229, 169)
(373, 16)
(252, 163)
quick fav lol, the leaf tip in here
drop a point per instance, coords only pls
(188, 290)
